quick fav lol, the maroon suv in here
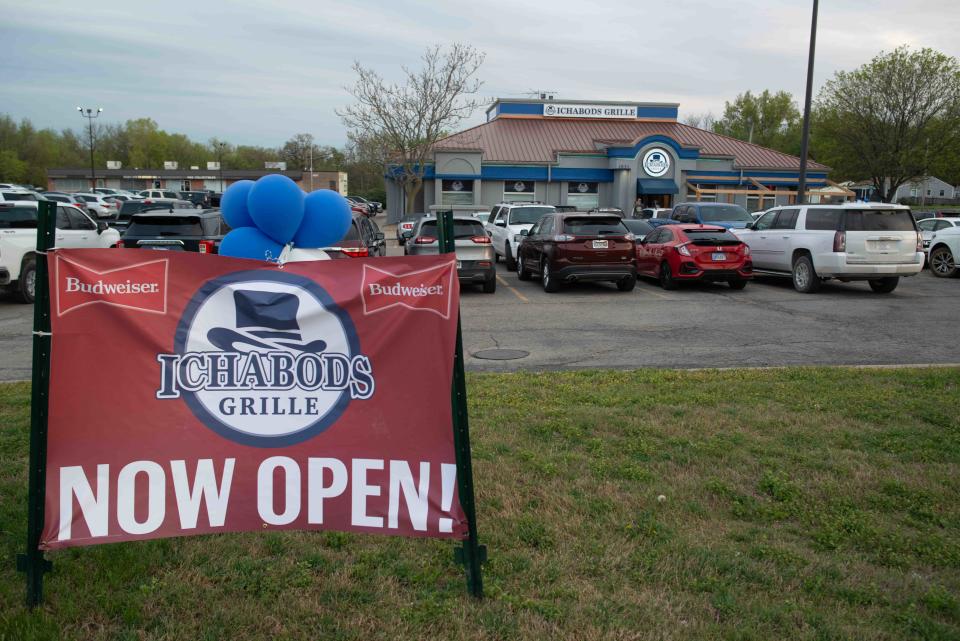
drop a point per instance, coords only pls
(567, 247)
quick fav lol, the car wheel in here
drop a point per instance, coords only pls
(490, 286)
(942, 262)
(805, 279)
(522, 272)
(884, 285)
(27, 284)
(550, 283)
(666, 276)
(627, 284)
(740, 283)
(508, 257)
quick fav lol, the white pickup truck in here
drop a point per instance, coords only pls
(875, 242)
(505, 223)
(18, 241)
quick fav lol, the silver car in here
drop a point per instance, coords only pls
(472, 245)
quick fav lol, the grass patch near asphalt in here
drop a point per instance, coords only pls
(799, 504)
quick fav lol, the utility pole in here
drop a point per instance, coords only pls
(805, 139)
(311, 166)
(90, 114)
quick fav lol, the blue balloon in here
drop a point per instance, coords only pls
(233, 204)
(250, 242)
(326, 219)
(276, 207)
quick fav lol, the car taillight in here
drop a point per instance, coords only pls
(358, 252)
(406, 226)
(919, 241)
(482, 240)
(629, 237)
(682, 250)
(119, 244)
(746, 249)
(205, 246)
(562, 238)
(424, 240)
(840, 241)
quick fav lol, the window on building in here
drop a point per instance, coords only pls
(583, 195)
(333, 185)
(101, 182)
(760, 202)
(517, 190)
(456, 192)
(941, 193)
(913, 192)
(928, 192)
(184, 185)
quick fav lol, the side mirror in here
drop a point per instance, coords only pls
(524, 232)
(379, 236)
(102, 226)
(501, 223)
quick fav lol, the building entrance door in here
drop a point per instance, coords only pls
(660, 201)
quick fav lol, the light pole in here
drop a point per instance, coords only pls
(90, 114)
(805, 138)
(220, 146)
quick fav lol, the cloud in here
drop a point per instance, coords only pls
(256, 72)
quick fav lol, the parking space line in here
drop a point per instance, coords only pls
(507, 285)
(653, 293)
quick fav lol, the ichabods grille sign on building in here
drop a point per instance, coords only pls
(191, 395)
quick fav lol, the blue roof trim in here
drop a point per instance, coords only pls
(520, 109)
(582, 175)
(631, 152)
(457, 176)
(657, 112)
(505, 172)
(757, 173)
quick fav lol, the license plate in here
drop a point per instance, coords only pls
(459, 264)
(718, 256)
(600, 244)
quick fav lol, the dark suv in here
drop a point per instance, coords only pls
(721, 214)
(362, 239)
(176, 230)
(567, 247)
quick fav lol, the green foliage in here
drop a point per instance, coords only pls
(893, 119)
(768, 119)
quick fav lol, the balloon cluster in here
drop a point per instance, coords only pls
(273, 212)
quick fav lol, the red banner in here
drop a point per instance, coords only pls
(192, 394)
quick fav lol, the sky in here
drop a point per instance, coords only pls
(258, 72)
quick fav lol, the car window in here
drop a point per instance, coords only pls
(527, 215)
(13, 196)
(726, 213)
(677, 212)
(502, 215)
(170, 194)
(879, 220)
(665, 236)
(78, 220)
(165, 225)
(493, 214)
(925, 225)
(536, 227)
(593, 226)
(823, 219)
(766, 220)
(352, 233)
(461, 229)
(786, 219)
(63, 221)
(941, 224)
(711, 237)
(546, 225)
(15, 217)
(654, 237)
(638, 227)
(59, 199)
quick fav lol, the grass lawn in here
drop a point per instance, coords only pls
(799, 504)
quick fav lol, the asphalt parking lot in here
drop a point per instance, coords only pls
(699, 325)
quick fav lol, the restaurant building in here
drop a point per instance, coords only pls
(600, 154)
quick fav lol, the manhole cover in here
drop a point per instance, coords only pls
(501, 354)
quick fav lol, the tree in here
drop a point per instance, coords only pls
(409, 117)
(892, 119)
(701, 121)
(768, 119)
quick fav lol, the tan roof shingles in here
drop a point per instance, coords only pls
(530, 140)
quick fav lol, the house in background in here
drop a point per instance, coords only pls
(930, 190)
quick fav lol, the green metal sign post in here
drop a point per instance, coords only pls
(472, 554)
(32, 562)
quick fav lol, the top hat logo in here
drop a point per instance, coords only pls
(519, 186)
(264, 320)
(583, 188)
(266, 359)
(456, 185)
(656, 162)
(550, 110)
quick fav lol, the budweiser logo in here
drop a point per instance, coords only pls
(140, 287)
(421, 290)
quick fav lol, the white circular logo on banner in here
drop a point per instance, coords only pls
(656, 162)
(519, 186)
(550, 110)
(456, 185)
(583, 188)
(267, 359)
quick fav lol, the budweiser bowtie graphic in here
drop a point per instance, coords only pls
(141, 287)
(427, 290)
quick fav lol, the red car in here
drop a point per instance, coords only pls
(674, 253)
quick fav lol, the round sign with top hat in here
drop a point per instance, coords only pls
(656, 162)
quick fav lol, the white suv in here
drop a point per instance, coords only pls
(505, 224)
(874, 242)
(18, 241)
